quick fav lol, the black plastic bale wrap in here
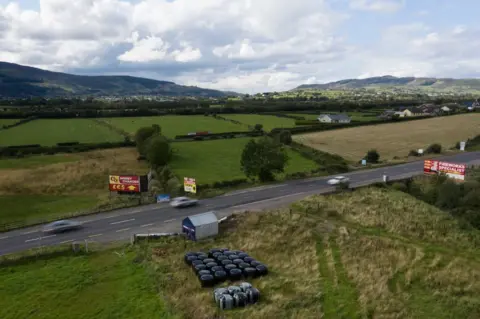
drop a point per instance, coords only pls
(208, 260)
(189, 259)
(244, 286)
(240, 299)
(250, 272)
(237, 261)
(207, 280)
(248, 259)
(255, 263)
(217, 268)
(220, 258)
(229, 267)
(233, 289)
(211, 265)
(243, 265)
(200, 267)
(253, 295)
(217, 294)
(242, 255)
(232, 257)
(235, 274)
(202, 256)
(196, 262)
(204, 272)
(187, 255)
(220, 276)
(262, 270)
(226, 302)
(226, 262)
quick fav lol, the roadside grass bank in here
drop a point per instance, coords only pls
(370, 253)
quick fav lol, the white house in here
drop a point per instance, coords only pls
(334, 118)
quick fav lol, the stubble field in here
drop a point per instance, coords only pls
(395, 139)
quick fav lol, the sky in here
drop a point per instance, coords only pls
(244, 45)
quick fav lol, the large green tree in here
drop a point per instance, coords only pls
(158, 151)
(263, 158)
(143, 134)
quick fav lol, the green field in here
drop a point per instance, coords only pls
(31, 208)
(8, 122)
(212, 161)
(101, 285)
(50, 132)
(173, 125)
(269, 122)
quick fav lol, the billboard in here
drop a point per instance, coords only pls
(452, 170)
(124, 183)
(189, 185)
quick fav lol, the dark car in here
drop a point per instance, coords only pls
(61, 226)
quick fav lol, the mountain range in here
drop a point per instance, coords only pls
(389, 81)
(17, 81)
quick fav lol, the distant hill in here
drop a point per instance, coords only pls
(389, 81)
(23, 81)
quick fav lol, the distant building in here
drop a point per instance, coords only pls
(334, 118)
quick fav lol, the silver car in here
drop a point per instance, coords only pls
(179, 202)
(61, 226)
(338, 180)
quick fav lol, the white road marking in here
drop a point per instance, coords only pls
(110, 217)
(4, 237)
(39, 238)
(95, 235)
(120, 230)
(122, 221)
(66, 241)
(30, 232)
(169, 220)
(146, 225)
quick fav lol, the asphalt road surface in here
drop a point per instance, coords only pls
(121, 224)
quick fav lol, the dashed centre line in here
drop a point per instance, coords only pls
(122, 221)
(169, 220)
(39, 238)
(67, 241)
(122, 230)
(96, 235)
(146, 225)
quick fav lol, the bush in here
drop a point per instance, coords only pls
(284, 137)
(400, 187)
(372, 156)
(413, 153)
(434, 149)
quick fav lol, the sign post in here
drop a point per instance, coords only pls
(189, 185)
(462, 146)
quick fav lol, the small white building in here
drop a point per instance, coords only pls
(200, 226)
(334, 118)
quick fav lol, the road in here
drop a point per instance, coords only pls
(122, 223)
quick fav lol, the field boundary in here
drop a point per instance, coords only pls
(113, 128)
(329, 127)
(20, 122)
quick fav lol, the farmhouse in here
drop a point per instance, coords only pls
(334, 118)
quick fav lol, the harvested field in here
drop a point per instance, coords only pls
(395, 139)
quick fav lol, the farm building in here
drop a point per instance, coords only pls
(334, 118)
(200, 226)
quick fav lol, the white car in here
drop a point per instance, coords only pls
(338, 180)
(179, 202)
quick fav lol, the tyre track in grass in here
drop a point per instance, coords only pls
(340, 295)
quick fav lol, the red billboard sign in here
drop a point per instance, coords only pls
(124, 183)
(452, 170)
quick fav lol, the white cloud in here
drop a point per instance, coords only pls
(377, 5)
(239, 45)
